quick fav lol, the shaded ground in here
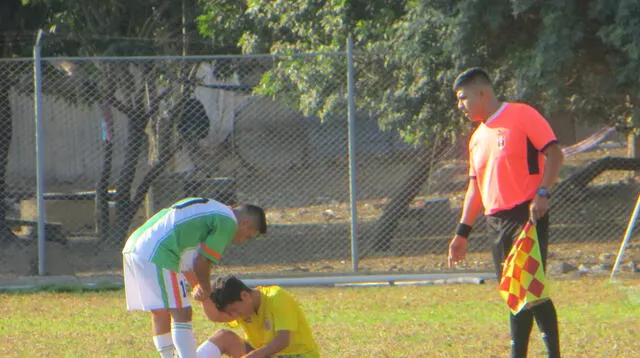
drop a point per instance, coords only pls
(315, 238)
(598, 258)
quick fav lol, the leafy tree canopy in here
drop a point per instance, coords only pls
(576, 56)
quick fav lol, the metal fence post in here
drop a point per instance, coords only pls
(37, 94)
(352, 155)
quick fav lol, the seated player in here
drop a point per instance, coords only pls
(273, 323)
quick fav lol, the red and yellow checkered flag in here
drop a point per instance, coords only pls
(522, 283)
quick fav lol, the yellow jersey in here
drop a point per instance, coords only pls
(279, 311)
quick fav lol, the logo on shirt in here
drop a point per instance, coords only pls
(501, 139)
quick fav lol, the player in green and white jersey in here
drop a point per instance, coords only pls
(174, 247)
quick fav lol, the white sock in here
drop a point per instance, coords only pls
(208, 350)
(183, 339)
(164, 345)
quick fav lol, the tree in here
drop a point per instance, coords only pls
(572, 58)
(136, 89)
(400, 76)
(577, 57)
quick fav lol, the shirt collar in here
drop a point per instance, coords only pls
(496, 113)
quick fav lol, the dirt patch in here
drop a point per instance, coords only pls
(83, 259)
(21, 258)
(309, 215)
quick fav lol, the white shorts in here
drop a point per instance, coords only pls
(149, 287)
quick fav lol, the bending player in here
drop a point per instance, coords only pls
(178, 243)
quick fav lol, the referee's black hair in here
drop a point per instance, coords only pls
(472, 75)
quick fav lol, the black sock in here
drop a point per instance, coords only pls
(547, 320)
(521, 325)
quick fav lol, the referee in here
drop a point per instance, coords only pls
(514, 158)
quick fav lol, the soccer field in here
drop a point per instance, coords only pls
(597, 319)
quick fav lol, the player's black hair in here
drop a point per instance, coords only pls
(471, 75)
(227, 290)
(258, 214)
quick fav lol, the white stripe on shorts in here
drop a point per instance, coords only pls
(149, 287)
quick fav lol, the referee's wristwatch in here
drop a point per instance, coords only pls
(543, 192)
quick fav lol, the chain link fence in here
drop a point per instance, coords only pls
(125, 137)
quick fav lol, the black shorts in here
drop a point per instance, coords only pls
(505, 226)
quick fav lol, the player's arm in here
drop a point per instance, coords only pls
(202, 273)
(208, 306)
(213, 313)
(211, 251)
(279, 343)
(190, 276)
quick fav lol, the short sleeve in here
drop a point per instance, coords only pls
(285, 316)
(224, 230)
(538, 129)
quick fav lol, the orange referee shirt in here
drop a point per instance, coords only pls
(505, 156)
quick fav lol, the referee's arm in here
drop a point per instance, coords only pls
(552, 164)
(472, 203)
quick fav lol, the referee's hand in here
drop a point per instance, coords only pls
(539, 206)
(457, 250)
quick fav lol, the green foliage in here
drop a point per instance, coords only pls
(393, 86)
(411, 92)
(563, 55)
(580, 58)
(19, 22)
(113, 27)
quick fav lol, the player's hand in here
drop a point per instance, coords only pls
(457, 250)
(200, 293)
(539, 206)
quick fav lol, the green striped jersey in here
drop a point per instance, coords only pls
(174, 236)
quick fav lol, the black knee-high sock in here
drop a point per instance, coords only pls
(547, 321)
(521, 325)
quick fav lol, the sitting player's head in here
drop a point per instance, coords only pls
(232, 296)
(251, 222)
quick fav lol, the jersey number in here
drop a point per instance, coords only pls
(191, 202)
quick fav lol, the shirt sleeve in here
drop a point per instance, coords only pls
(215, 243)
(285, 316)
(538, 129)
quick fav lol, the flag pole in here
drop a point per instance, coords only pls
(627, 236)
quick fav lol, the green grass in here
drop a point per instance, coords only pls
(597, 319)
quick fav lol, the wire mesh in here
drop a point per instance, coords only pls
(125, 137)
